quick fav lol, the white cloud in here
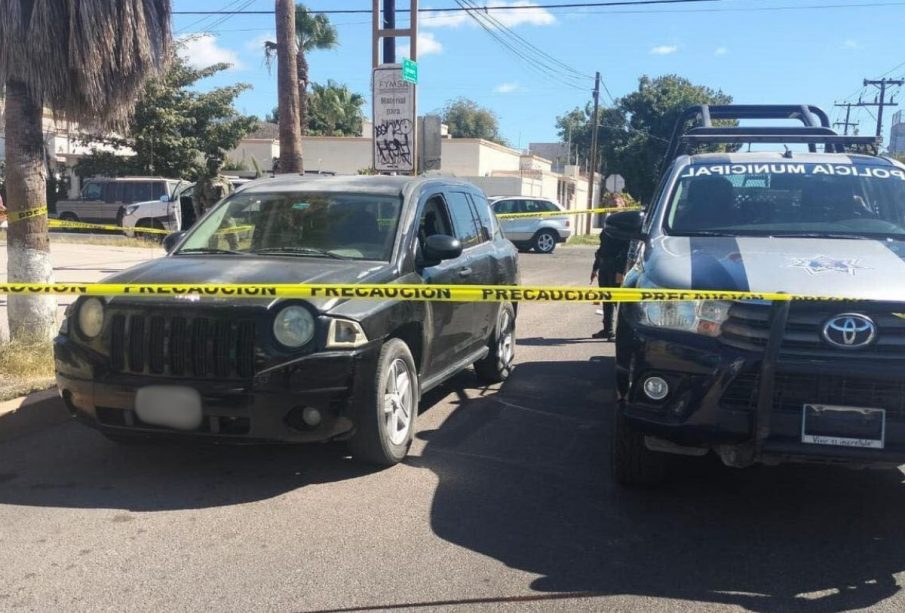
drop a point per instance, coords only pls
(506, 88)
(721, 51)
(257, 43)
(532, 15)
(851, 44)
(664, 50)
(428, 44)
(201, 51)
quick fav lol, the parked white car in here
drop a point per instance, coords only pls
(539, 233)
(165, 213)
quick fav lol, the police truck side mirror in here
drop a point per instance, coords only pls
(440, 247)
(624, 226)
(171, 240)
(164, 198)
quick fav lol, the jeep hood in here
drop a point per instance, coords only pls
(229, 269)
(868, 269)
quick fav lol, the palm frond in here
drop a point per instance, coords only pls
(85, 59)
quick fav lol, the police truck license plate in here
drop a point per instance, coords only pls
(843, 426)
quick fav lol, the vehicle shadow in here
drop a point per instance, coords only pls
(71, 466)
(523, 478)
(540, 341)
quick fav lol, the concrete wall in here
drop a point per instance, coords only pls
(341, 155)
(262, 150)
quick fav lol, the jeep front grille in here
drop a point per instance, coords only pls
(182, 346)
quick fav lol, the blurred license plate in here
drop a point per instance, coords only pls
(170, 406)
(843, 426)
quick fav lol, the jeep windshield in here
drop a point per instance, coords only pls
(789, 199)
(299, 224)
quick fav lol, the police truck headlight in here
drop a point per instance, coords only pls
(131, 209)
(700, 316)
(293, 327)
(345, 334)
(91, 318)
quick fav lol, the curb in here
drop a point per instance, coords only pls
(23, 416)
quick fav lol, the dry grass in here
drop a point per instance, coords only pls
(584, 240)
(25, 367)
(97, 240)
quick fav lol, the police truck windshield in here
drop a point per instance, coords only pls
(299, 224)
(789, 199)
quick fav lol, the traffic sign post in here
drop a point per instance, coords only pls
(394, 120)
(410, 71)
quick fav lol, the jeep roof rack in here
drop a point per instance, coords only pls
(815, 129)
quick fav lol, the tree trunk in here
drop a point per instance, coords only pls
(28, 245)
(303, 90)
(288, 88)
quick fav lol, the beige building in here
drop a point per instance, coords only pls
(496, 169)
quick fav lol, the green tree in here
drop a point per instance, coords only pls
(86, 61)
(333, 110)
(312, 32)
(635, 133)
(175, 129)
(467, 119)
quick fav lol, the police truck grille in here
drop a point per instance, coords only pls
(748, 328)
(182, 346)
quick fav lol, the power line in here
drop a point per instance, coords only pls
(454, 9)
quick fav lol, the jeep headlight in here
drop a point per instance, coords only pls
(293, 327)
(91, 318)
(699, 316)
(345, 334)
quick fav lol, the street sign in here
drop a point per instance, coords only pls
(410, 71)
(394, 120)
(614, 183)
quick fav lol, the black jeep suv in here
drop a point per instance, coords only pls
(817, 380)
(257, 369)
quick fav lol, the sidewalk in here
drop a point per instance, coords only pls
(74, 263)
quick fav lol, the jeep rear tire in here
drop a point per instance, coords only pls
(497, 366)
(386, 425)
(545, 241)
(631, 462)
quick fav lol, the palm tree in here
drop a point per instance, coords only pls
(312, 32)
(85, 60)
(334, 110)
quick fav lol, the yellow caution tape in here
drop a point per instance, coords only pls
(434, 293)
(563, 213)
(59, 223)
(14, 216)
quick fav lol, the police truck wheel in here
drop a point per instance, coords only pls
(498, 364)
(386, 425)
(545, 241)
(631, 462)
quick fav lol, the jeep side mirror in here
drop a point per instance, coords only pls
(171, 240)
(624, 226)
(440, 247)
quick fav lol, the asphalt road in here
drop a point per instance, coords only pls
(505, 504)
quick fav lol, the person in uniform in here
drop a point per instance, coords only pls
(610, 261)
(211, 188)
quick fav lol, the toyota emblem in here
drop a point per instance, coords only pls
(850, 331)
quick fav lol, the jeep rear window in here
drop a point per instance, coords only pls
(789, 199)
(355, 226)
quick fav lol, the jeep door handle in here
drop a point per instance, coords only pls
(465, 272)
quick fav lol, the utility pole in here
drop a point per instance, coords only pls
(848, 112)
(881, 102)
(592, 162)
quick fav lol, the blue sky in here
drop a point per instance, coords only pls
(772, 54)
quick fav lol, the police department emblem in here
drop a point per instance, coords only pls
(823, 263)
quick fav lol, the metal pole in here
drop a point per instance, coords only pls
(592, 161)
(389, 23)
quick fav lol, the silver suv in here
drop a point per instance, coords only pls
(104, 200)
(539, 233)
